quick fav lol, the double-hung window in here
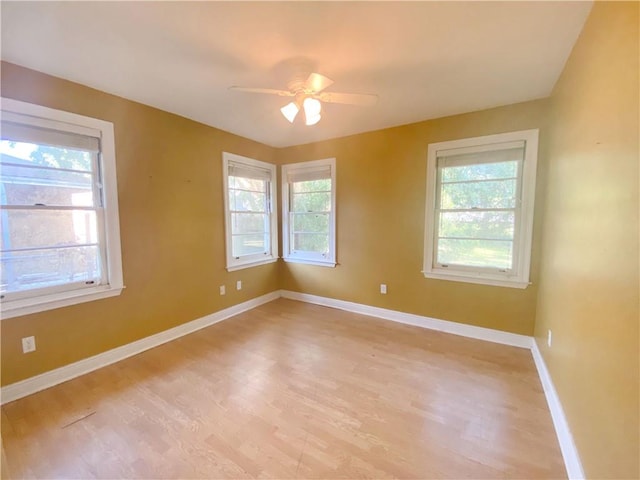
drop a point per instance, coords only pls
(479, 213)
(250, 218)
(60, 241)
(308, 212)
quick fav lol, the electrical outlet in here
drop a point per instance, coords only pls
(383, 288)
(28, 344)
(239, 285)
(223, 290)
(549, 338)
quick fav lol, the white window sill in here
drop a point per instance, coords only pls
(26, 306)
(233, 268)
(483, 280)
(307, 261)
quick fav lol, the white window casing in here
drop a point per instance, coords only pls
(503, 222)
(90, 222)
(251, 227)
(308, 212)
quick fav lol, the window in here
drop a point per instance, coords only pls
(60, 240)
(308, 212)
(250, 219)
(479, 215)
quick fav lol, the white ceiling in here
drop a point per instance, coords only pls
(423, 59)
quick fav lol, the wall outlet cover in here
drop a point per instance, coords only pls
(28, 344)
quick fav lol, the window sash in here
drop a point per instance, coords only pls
(524, 140)
(259, 204)
(294, 232)
(264, 202)
(297, 205)
(297, 200)
(322, 172)
(246, 171)
(92, 281)
(264, 232)
(97, 208)
(94, 174)
(509, 152)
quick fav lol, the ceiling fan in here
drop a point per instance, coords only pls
(308, 95)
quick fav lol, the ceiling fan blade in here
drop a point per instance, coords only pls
(362, 99)
(316, 82)
(271, 91)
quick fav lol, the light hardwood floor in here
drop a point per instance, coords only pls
(291, 390)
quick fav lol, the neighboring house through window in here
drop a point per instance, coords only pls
(308, 212)
(479, 211)
(250, 211)
(60, 240)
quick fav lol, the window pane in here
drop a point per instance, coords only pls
(311, 242)
(253, 184)
(248, 223)
(493, 225)
(31, 186)
(310, 222)
(476, 253)
(45, 156)
(323, 185)
(49, 267)
(481, 171)
(47, 228)
(311, 202)
(241, 200)
(491, 194)
(248, 244)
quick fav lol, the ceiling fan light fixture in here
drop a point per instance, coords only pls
(309, 95)
(290, 111)
(312, 106)
(312, 120)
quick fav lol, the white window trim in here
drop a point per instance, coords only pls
(288, 256)
(114, 285)
(519, 278)
(234, 263)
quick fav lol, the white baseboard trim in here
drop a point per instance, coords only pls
(480, 333)
(567, 446)
(48, 379)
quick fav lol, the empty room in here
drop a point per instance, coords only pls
(320, 240)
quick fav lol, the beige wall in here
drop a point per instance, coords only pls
(380, 223)
(588, 293)
(171, 221)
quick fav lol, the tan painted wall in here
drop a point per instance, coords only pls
(380, 223)
(588, 293)
(171, 222)
(169, 187)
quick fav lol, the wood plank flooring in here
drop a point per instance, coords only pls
(292, 390)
